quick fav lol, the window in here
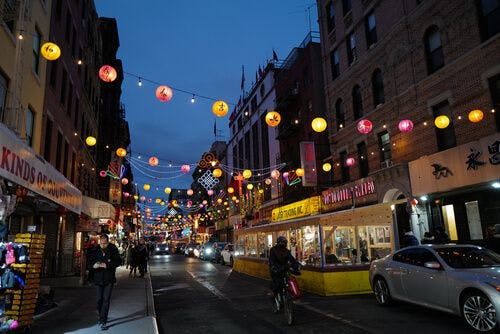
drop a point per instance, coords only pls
(346, 6)
(330, 16)
(62, 97)
(36, 51)
(53, 73)
(377, 88)
(77, 114)
(253, 104)
(370, 29)
(384, 145)
(415, 256)
(433, 50)
(10, 20)
(29, 125)
(70, 99)
(489, 18)
(68, 26)
(48, 140)
(262, 91)
(339, 114)
(335, 63)
(255, 146)
(73, 163)
(445, 137)
(66, 153)
(494, 84)
(364, 169)
(357, 102)
(351, 48)
(4, 83)
(343, 167)
(58, 9)
(58, 151)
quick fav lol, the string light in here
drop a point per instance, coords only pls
(193, 99)
(139, 82)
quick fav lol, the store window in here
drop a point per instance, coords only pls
(344, 244)
(374, 242)
(370, 29)
(445, 137)
(310, 246)
(36, 50)
(29, 126)
(339, 114)
(251, 245)
(240, 247)
(433, 49)
(262, 243)
(378, 88)
(335, 63)
(330, 16)
(351, 48)
(494, 84)
(384, 145)
(4, 84)
(357, 102)
(489, 18)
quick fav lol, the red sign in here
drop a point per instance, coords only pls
(363, 190)
(308, 163)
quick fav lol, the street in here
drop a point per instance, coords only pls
(194, 296)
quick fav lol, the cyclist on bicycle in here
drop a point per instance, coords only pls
(280, 259)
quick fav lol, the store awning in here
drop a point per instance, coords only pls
(97, 209)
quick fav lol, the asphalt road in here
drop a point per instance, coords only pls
(194, 296)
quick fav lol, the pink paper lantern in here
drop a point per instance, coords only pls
(185, 169)
(143, 198)
(210, 192)
(190, 192)
(103, 173)
(124, 181)
(364, 126)
(164, 93)
(350, 162)
(275, 174)
(405, 125)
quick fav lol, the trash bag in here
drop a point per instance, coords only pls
(293, 287)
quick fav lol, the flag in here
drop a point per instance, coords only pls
(275, 56)
(242, 77)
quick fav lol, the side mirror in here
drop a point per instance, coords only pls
(432, 265)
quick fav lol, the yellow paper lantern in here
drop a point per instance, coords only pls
(247, 173)
(249, 186)
(230, 190)
(90, 141)
(268, 181)
(299, 172)
(146, 187)
(220, 108)
(318, 124)
(217, 172)
(158, 201)
(476, 116)
(233, 198)
(327, 167)
(273, 118)
(168, 190)
(50, 51)
(121, 152)
(442, 122)
(219, 200)
(136, 197)
(261, 191)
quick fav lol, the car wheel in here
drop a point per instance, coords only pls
(479, 313)
(381, 291)
(231, 262)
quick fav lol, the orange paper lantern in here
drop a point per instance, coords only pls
(476, 116)
(153, 161)
(121, 152)
(107, 73)
(220, 108)
(273, 118)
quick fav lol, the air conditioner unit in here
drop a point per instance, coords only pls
(386, 163)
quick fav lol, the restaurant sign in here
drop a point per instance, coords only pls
(359, 193)
(20, 165)
(298, 209)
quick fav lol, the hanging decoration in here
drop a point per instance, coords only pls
(164, 93)
(167, 190)
(350, 162)
(442, 122)
(50, 51)
(90, 141)
(124, 181)
(318, 124)
(121, 152)
(268, 181)
(273, 118)
(207, 180)
(476, 116)
(217, 172)
(327, 166)
(107, 73)
(249, 186)
(153, 161)
(210, 192)
(143, 198)
(275, 174)
(185, 169)
(247, 173)
(230, 190)
(146, 186)
(299, 172)
(405, 125)
(364, 126)
(189, 192)
(220, 108)
(206, 160)
(103, 173)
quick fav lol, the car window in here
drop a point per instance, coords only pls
(415, 256)
(468, 257)
(406, 256)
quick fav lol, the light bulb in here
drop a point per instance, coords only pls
(139, 83)
(20, 36)
(193, 99)
(79, 62)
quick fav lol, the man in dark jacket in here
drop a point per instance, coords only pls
(105, 261)
(280, 259)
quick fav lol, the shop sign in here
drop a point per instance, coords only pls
(465, 165)
(308, 163)
(363, 191)
(298, 209)
(20, 165)
(115, 186)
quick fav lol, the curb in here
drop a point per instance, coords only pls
(150, 301)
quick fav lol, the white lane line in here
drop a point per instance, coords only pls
(332, 316)
(209, 286)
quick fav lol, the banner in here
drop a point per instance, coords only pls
(115, 186)
(308, 163)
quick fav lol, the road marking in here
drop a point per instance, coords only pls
(209, 286)
(332, 316)
(173, 287)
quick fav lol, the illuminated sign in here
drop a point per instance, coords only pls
(361, 192)
(298, 209)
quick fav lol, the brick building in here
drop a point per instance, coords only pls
(386, 61)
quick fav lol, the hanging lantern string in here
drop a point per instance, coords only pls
(145, 162)
(266, 170)
(154, 170)
(153, 176)
(142, 79)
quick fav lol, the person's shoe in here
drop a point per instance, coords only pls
(103, 326)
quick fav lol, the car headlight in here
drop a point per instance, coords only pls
(166, 248)
(208, 251)
(157, 249)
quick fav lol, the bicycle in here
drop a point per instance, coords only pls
(284, 298)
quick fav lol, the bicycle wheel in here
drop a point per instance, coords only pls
(288, 307)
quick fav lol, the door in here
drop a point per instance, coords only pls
(425, 285)
(396, 269)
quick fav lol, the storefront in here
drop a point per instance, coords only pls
(459, 189)
(45, 201)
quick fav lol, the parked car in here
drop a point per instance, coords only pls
(227, 254)
(206, 251)
(161, 249)
(217, 249)
(189, 250)
(459, 279)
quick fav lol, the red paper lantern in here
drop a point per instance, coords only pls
(365, 126)
(103, 173)
(405, 125)
(210, 192)
(414, 201)
(153, 161)
(185, 169)
(107, 73)
(350, 162)
(164, 93)
(124, 181)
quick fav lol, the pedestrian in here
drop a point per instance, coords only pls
(330, 258)
(133, 259)
(493, 240)
(441, 236)
(142, 256)
(409, 239)
(105, 261)
(428, 238)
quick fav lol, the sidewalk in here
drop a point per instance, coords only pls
(131, 311)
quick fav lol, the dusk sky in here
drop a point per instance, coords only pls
(196, 46)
